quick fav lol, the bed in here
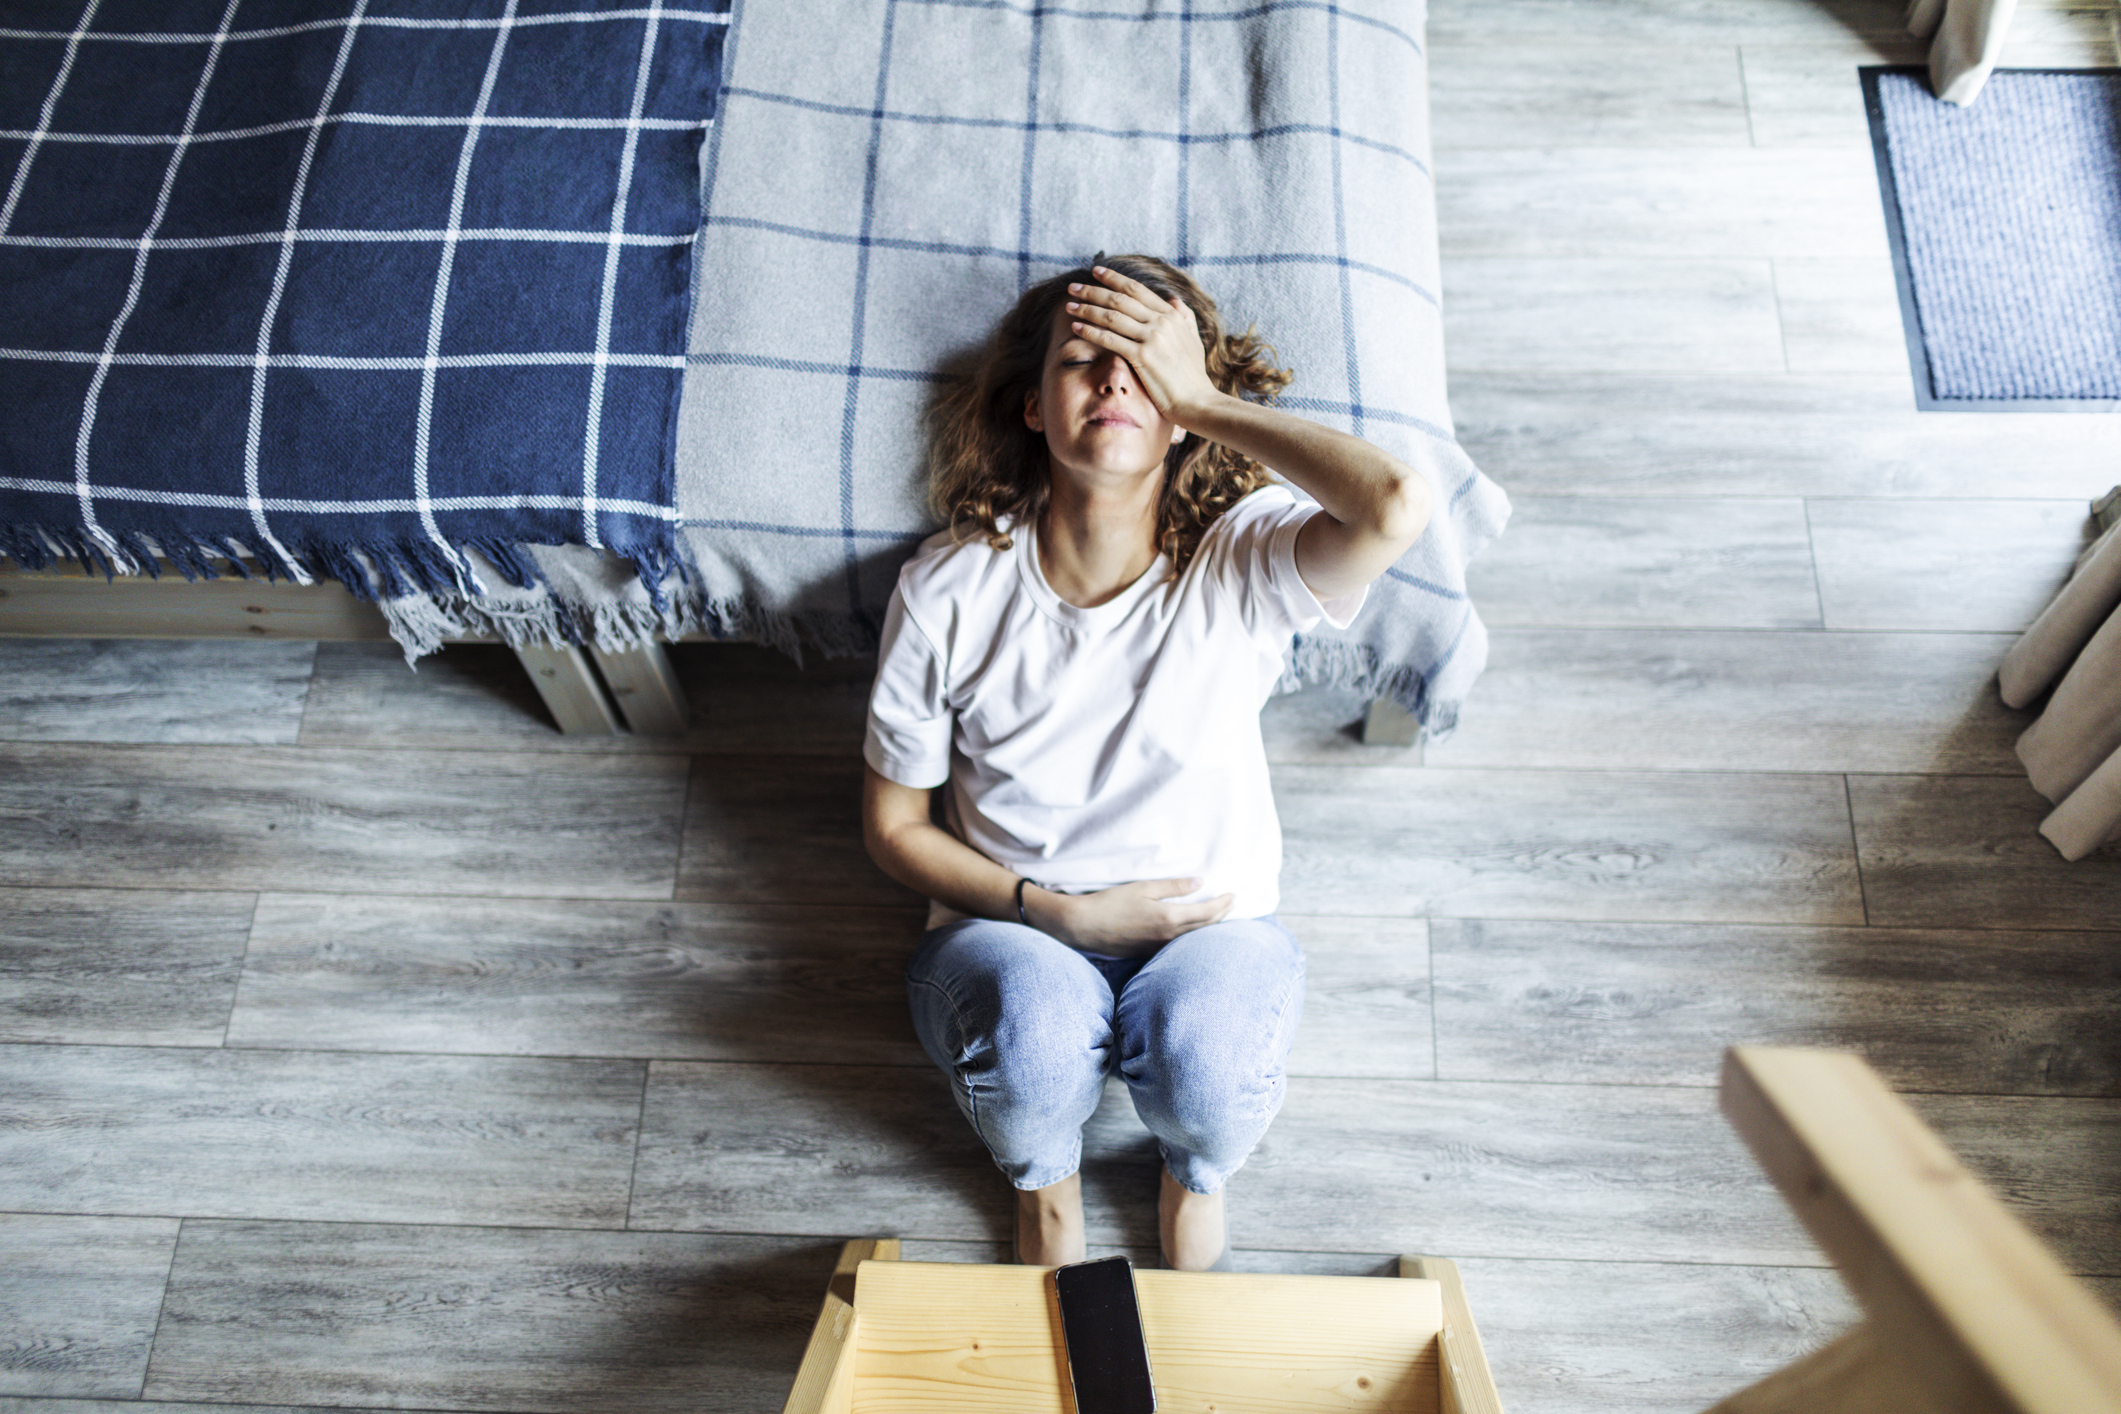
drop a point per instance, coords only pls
(689, 401)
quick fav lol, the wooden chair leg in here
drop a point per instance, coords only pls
(1468, 1385)
(570, 689)
(646, 689)
(1965, 1309)
(824, 1384)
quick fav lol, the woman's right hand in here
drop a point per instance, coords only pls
(1126, 920)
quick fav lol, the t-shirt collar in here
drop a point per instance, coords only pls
(1094, 620)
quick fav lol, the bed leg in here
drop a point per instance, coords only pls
(1389, 724)
(570, 689)
(646, 689)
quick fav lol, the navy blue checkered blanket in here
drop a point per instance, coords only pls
(347, 288)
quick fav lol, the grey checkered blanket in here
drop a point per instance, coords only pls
(876, 201)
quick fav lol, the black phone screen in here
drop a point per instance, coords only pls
(1108, 1361)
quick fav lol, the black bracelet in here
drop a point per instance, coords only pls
(1020, 902)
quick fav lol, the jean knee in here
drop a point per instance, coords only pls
(1024, 1032)
(1000, 1002)
(1222, 993)
(1210, 1083)
(1206, 1043)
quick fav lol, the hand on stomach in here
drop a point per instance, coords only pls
(1126, 920)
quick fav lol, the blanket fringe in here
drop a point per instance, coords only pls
(370, 570)
(421, 624)
(1352, 667)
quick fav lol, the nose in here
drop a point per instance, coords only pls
(1113, 375)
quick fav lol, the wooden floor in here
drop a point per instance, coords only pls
(367, 1044)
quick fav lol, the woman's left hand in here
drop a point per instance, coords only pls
(1159, 338)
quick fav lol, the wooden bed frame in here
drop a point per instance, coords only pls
(587, 690)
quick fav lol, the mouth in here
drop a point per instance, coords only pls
(1113, 419)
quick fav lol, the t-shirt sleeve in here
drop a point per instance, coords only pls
(1255, 559)
(909, 710)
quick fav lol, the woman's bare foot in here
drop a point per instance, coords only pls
(1049, 1223)
(1191, 1225)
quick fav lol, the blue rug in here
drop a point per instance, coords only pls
(2006, 225)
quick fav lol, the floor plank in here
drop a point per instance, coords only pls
(486, 1319)
(1654, 1004)
(1566, 844)
(1493, 96)
(1652, 1338)
(2066, 34)
(1366, 998)
(1581, 314)
(1581, 433)
(1648, 562)
(569, 977)
(814, 1149)
(766, 829)
(1581, 195)
(1881, 562)
(1810, 96)
(1965, 852)
(315, 1135)
(1564, 24)
(395, 822)
(1698, 700)
(707, 982)
(476, 696)
(1841, 315)
(229, 691)
(1416, 1166)
(138, 1406)
(467, 695)
(752, 698)
(78, 1302)
(119, 967)
(1469, 1169)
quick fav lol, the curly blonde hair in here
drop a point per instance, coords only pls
(988, 467)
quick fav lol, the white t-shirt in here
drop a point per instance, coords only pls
(1085, 748)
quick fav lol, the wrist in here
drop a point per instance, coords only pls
(1043, 909)
(1195, 413)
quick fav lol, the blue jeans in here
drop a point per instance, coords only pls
(1027, 1029)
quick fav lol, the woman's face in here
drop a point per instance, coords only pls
(1096, 418)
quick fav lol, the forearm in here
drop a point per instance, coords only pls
(1123, 920)
(1357, 483)
(930, 860)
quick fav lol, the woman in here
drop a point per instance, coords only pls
(1082, 658)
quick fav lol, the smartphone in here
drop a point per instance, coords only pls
(1108, 1361)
